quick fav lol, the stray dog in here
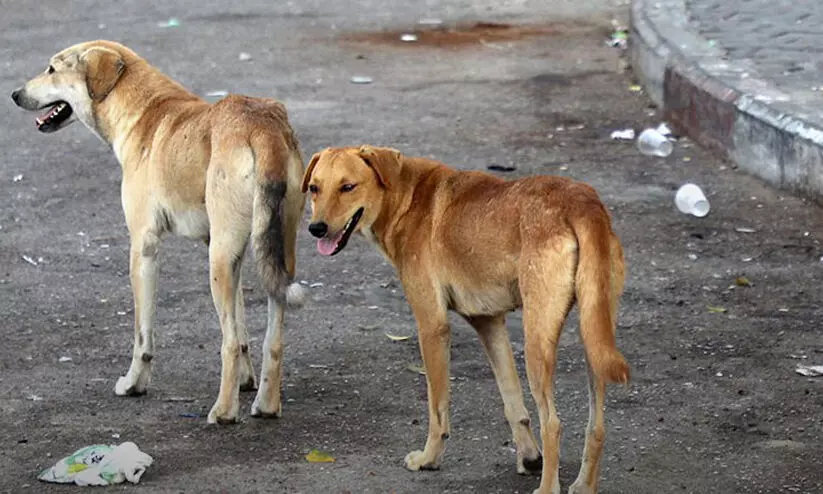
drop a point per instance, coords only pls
(480, 246)
(221, 173)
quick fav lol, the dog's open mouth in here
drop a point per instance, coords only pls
(332, 244)
(51, 120)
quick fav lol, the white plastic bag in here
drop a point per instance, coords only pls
(100, 465)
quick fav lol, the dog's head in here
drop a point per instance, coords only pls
(347, 187)
(74, 81)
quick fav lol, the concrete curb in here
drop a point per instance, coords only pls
(723, 104)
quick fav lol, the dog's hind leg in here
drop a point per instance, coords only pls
(547, 287)
(225, 259)
(248, 380)
(495, 338)
(587, 478)
(229, 229)
(143, 274)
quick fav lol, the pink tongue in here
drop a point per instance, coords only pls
(327, 246)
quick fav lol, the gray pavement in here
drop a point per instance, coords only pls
(714, 404)
(741, 77)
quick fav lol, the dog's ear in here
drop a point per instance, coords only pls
(384, 161)
(309, 171)
(103, 69)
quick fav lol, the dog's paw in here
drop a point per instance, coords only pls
(418, 460)
(249, 385)
(218, 415)
(580, 488)
(530, 464)
(126, 386)
(258, 411)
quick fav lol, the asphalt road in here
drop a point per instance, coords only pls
(715, 404)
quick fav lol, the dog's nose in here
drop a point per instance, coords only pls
(15, 95)
(318, 229)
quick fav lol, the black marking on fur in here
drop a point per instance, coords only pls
(146, 357)
(270, 244)
(244, 348)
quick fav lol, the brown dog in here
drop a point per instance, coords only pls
(221, 173)
(481, 246)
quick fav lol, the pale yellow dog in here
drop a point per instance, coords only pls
(223, 173)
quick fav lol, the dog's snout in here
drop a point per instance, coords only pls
(15, 95)
(318, 229)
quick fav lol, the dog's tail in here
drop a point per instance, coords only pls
(277, 210)
(598, 285)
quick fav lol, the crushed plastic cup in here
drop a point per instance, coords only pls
(691, 200)
(653, 143)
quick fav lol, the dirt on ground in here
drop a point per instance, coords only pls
(714, 406)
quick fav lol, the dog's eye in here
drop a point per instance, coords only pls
(313, 189)
(347, 187)
(51, 69)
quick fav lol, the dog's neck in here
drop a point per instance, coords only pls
(140, 89)
(416, 184)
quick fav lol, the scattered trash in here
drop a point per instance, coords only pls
(361, 79)
(691, 200)
(742, 281)
(172, 22)
(687, 158)
(18, 178)
(318, 366)
(501, 168)
(64, 359)
(719, 374)
(115, 435)
(619, 38)
(430, 22)
(317, 456)
(180, 399)
(373, 307)
(744, 229)
(693, 257)
(653, 143)
(809, 370)
(782, 309)
(664, 130)
(716, 310)
(397, 338)
(100, 465)
(408, 38)
(316, 285)
(635, 88)
(189, 415)
(244, 57)
(217, 94)
(624, 135)
(416, 368)
(29, 260)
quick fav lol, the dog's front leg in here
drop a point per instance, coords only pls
(143, 274)
(435, 338)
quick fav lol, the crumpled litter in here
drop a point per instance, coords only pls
(101, 465)
(809, 370)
